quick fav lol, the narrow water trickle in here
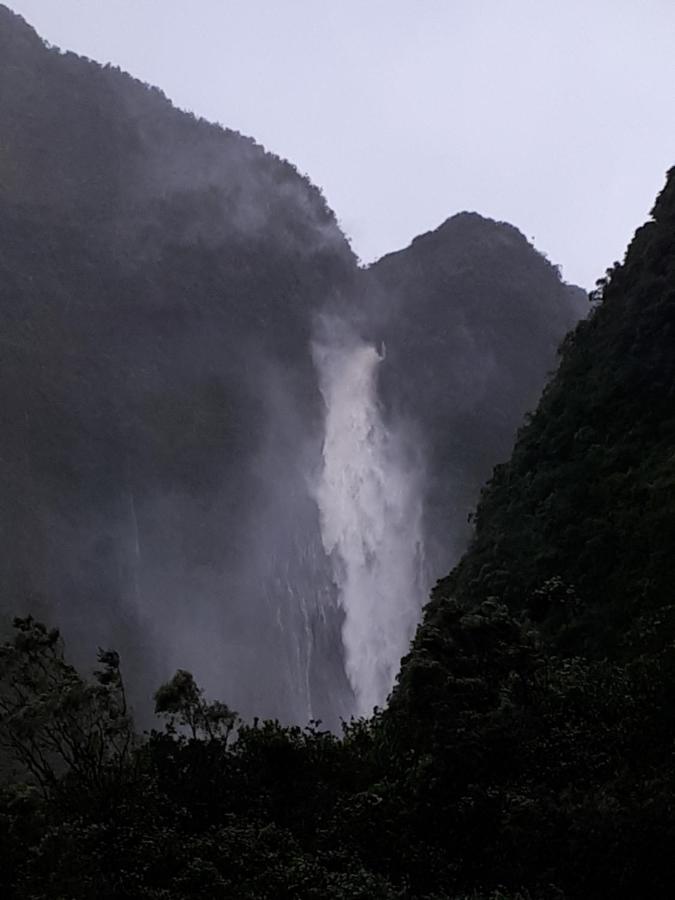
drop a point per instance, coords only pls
(369, 498)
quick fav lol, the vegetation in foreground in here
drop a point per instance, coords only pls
(498, 770)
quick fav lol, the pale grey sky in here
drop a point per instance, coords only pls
(555, 115)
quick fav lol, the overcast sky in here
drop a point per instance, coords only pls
(555, 115)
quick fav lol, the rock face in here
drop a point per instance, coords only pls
(161, 280)
(158, 277)
(471, 316)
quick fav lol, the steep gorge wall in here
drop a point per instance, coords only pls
(164, 424)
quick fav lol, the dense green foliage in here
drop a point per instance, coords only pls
(588, 497)
(496, 764)
(573, 538)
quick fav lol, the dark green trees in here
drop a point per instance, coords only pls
(52, 721)
(182, 703)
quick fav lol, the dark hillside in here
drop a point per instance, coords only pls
(472, 316)
(532, 719)
(587, 497)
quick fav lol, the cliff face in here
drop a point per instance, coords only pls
(158, 278)
(471, 316)
(160, 281)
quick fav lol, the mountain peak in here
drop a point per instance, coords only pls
(471, 226)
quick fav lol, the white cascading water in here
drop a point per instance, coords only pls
(371, 521)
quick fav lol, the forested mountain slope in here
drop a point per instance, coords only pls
(534, 710)
(577, 528)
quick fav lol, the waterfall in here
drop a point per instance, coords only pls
(369, 499)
